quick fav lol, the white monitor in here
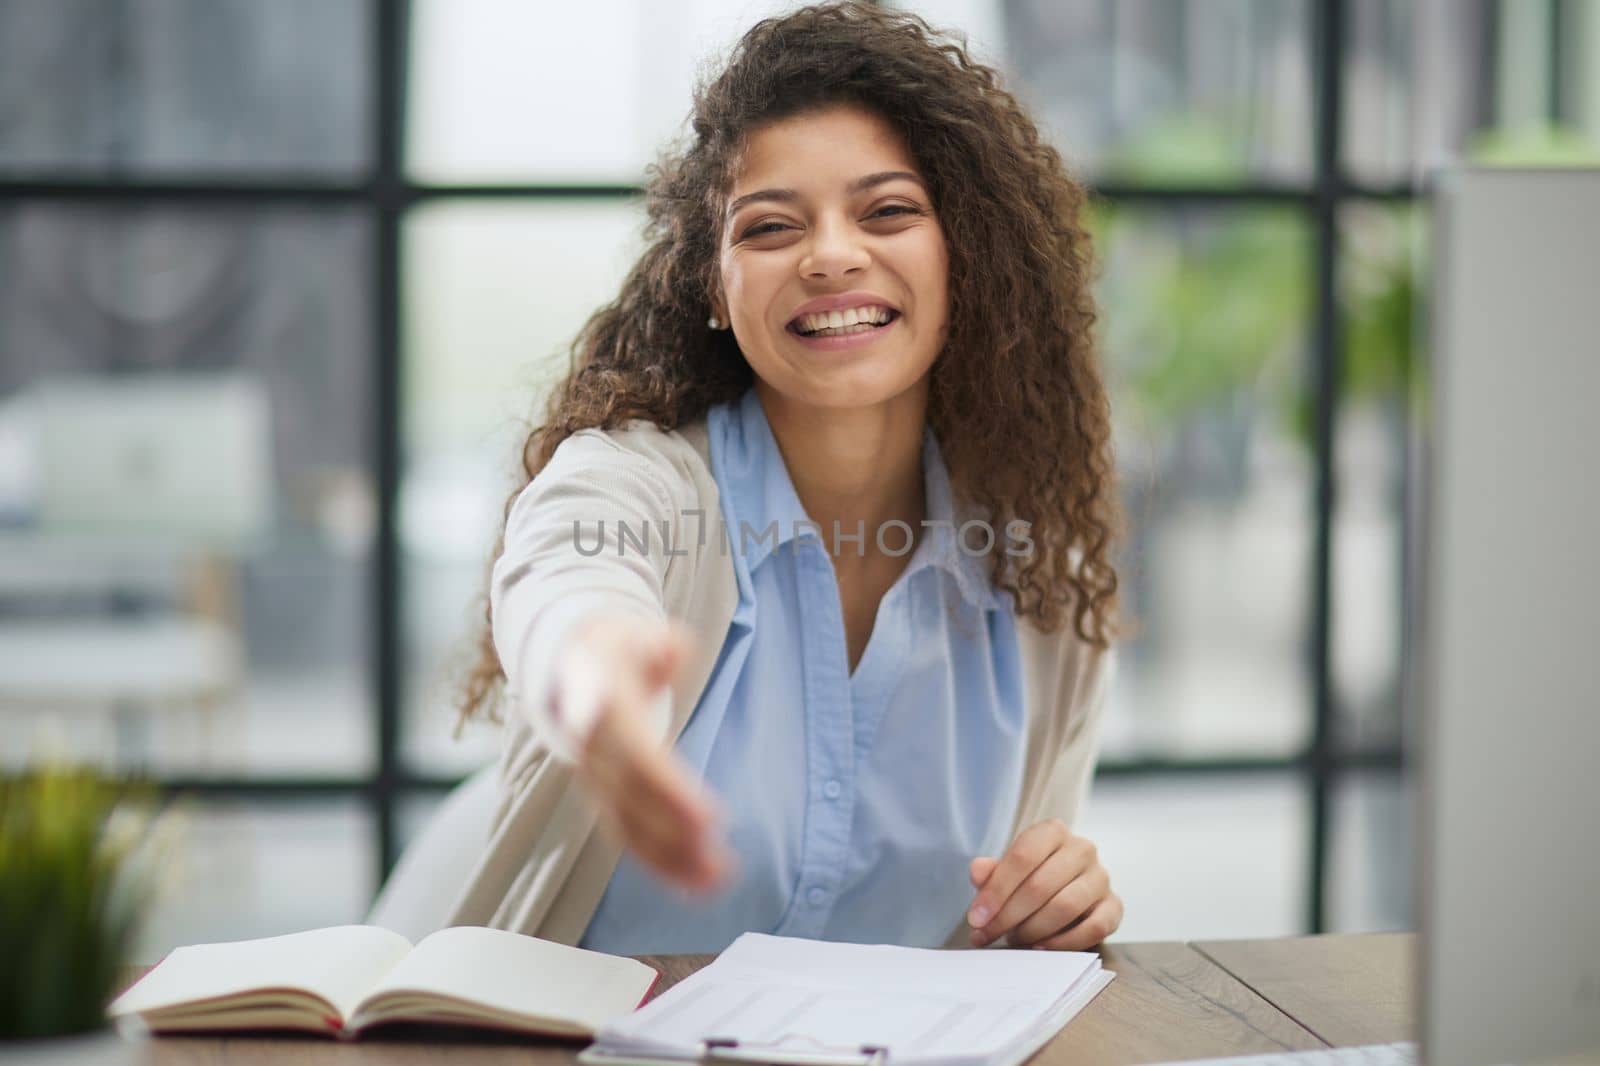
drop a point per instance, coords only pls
(183, 458)
(1509, 671)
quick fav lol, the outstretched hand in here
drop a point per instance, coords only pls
(648, 798)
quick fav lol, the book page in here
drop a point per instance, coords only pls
(340, 964)
(515, 976)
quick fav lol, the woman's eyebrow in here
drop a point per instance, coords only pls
(789, 195)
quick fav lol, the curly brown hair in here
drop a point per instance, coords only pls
(1016, 397)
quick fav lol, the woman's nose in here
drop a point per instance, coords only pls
(837, 247)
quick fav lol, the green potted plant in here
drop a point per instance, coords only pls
(77, 864)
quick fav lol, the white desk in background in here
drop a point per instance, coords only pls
(125, 668)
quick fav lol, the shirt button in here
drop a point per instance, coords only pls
(832, 790)
(816, 895)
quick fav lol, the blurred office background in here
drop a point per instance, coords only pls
(280, 280)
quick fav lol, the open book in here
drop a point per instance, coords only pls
(346, 978)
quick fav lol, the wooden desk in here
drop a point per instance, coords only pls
(1345, 989)
(1169, 1002)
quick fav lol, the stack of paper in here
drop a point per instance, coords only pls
(778, 996)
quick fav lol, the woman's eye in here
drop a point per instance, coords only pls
(773, 227)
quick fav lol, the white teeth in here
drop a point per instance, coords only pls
(873, 315)
(844, 331)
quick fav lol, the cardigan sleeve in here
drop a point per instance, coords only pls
(1066, 790)
(584, 537)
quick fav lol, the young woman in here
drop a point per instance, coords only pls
(807, 602)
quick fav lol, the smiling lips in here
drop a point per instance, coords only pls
(853, 335)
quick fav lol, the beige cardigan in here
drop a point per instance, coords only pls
(546, 864)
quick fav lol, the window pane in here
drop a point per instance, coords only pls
(1372, 865)
(242, 871)
(413, 813)
(494, 295)
(1204, 319)
(174, 88)
(1436, 81)
(1382, 261)
(1379, 70)
(186, 502)
(1153, 90)
(1203, 858)
(506, 91)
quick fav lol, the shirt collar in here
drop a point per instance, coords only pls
(763, 498)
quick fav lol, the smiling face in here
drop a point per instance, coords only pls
(827, 205)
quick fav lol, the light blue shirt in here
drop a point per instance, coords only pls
(854, 802)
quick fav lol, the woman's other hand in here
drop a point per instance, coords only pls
(1048, 891)
(646, 794)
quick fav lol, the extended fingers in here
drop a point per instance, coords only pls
(654, 804)
(657, 799)
(645, 793)
(668, 849)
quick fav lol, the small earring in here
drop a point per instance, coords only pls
(713, 322)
